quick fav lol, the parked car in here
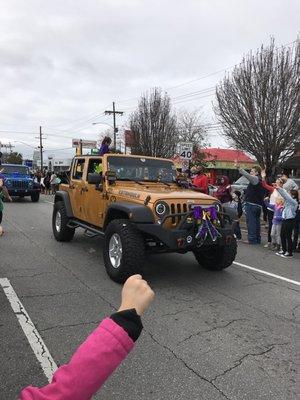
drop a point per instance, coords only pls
(240, 184)
(19, 181)
(297, 181)
(212, 189)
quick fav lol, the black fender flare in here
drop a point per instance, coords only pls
(137, 213)
(64, 196)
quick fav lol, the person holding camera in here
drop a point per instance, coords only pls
(102, 352)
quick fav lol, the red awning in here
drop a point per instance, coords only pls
(227, 155)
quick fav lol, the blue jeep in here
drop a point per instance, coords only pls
(19, 181)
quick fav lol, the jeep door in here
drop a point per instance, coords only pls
(95, 199)
(76, 187)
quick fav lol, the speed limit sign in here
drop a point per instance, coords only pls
(185, 150)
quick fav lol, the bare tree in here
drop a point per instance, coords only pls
(13, 158)
(154, 126)
(107, 133)
(190, 128)
(259, 104)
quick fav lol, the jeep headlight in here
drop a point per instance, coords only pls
(30, 184)
(8, 182)
(162, 208)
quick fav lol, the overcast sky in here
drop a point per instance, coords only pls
(62, 63)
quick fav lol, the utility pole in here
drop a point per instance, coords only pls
(114, 112)
(41, 148)
(7, 146)
(10, 146)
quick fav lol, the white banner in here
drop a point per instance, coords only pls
(87, 144)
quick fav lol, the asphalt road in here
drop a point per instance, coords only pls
(211, 336)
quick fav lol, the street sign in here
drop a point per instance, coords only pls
(185, 150)
(87, 144)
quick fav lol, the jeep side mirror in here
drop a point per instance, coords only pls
(94, 178)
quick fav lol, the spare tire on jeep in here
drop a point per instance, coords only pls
(123, 251)
(217, 258)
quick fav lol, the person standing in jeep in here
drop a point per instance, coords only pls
(200, 181)
(104, 149)
(254, 200)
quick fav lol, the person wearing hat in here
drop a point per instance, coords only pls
(200, 180)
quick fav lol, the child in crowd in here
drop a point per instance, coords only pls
(276, 222)
(272, 200)
(288, 221)
(237, 204)
(102, 352)
(224, 190)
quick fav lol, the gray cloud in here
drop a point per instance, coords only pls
(63, 62)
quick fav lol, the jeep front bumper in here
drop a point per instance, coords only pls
(183, 238)
(22, 192)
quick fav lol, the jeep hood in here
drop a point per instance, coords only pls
(165, 193)
(16, 175)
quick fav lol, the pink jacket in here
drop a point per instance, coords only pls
(92, 363)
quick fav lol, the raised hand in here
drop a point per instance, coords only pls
(136, 293)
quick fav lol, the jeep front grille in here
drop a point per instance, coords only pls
(20, 184)
(177, 208)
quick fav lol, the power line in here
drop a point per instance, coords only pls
(66, 148)
(222, 70)
(193, 99)
(202, 91)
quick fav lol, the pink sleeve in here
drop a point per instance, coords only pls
(90, 366)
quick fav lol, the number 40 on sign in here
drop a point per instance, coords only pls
(185, 150)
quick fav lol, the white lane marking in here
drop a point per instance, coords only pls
(36, 342)
(261, 271)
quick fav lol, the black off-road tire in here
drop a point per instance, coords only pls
(217, 258)
(35, 197)
(65, 234)
(133, 250)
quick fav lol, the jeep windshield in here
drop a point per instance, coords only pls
(15, 169)
(142, 169)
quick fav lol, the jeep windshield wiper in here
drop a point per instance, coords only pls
(160, 181)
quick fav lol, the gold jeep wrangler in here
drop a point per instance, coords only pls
(139, 204)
